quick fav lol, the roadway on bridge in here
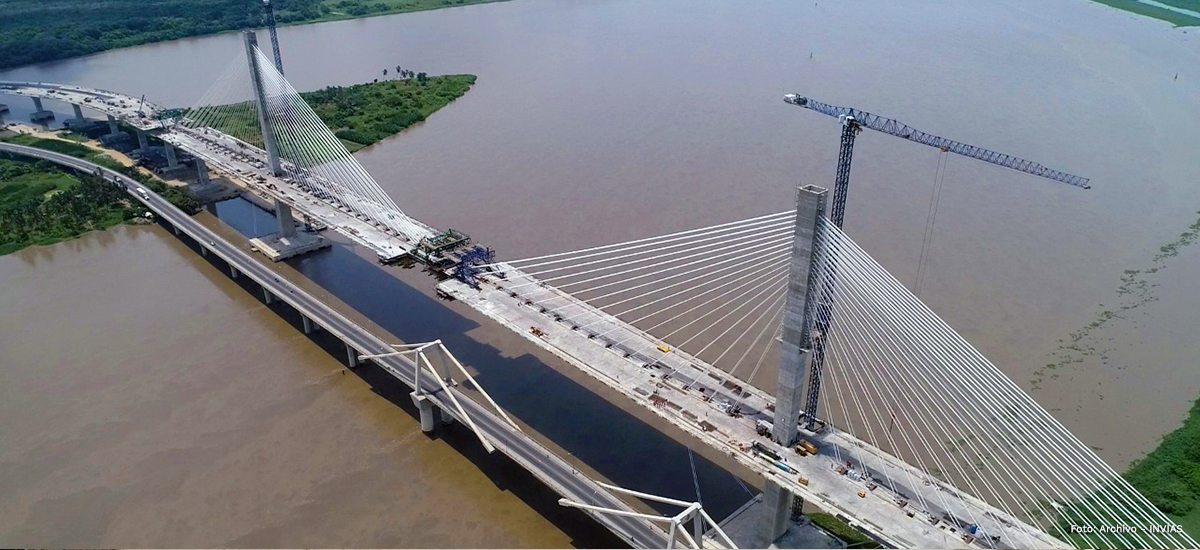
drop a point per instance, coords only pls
(551, 469)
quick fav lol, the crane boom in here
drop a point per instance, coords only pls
(899, 129)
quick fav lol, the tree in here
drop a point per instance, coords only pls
(385, 72)
(422, 78)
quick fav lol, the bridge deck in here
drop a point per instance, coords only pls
(221, 151)
(693, 395)
(132, 110)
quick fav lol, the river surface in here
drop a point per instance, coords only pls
(597, 121)
(137, 415)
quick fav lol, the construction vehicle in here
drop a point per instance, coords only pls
(807, 446)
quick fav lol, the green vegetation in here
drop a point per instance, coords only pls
(841, 530)
(1174, 17)
(32, 213)
(32, 31)
(1170, 475)
(364, 114)
(41, 204)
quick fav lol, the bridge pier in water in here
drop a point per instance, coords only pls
(425, 407)
(40, 113)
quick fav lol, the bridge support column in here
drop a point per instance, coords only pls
(794, 341)
(113, 129)
(203, 250)
(283, 215)
(201, 172)
(446, 418)
(309, 326)
(776, 506)
(40, 113)
(172, 160)
(233, 272)
(268, 298)
(425, 406)
(143, 142)
(351, 356)
(78, 120)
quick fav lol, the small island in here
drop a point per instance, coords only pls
(363, 114)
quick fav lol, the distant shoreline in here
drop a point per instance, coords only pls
(1165, 10)
(37, 33)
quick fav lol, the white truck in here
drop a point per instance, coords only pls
(142, 191)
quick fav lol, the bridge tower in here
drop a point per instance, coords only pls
(794, 349)
(260, 99)
(795, 340)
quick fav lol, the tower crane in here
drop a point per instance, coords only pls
(274, 35)
(853, 121)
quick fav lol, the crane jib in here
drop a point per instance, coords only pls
(899, 129)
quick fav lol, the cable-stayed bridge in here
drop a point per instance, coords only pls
(920, 441)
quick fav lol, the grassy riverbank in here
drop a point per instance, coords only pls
(41, 203)
(33, 31)
(364, 114)
(1165, 14)
(1170, 475)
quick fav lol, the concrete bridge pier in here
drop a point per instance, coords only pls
(268, 298)
(40, 113)
(172, 160)
(113, 129)
(309, 325)
(143, 141)
(203, 251)
(425, 406)
(283, 215)
(78, 121)
(351, 356)
(776, 506)
(233, 272)
(446, 418)
(202, 172)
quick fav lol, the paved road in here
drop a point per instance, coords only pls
(548, 467)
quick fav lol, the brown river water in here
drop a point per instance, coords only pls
(160, 418)
(597, 121)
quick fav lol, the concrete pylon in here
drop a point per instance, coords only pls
(172, 160)
(260, 98)
(810, 206)
(143, 141)
(112, 125)
(283, 216)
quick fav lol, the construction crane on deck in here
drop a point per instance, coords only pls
(853, 121)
